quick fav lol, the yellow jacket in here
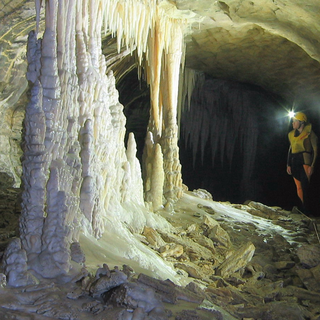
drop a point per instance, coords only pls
(306, 142)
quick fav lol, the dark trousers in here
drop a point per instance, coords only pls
(301, 179)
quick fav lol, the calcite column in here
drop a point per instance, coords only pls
(76, 169)
(169, 138)
(164, 63)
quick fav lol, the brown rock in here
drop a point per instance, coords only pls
(190, 268)
(281, 265)
(153, 237)
(316, 273)
(216, 233)
(309, 255)
(262, 210)
(308, 279)
(171, 250)
(236, 260)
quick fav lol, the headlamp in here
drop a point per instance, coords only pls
(291, 114)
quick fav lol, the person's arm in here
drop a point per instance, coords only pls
(289, 161)
(314, 144)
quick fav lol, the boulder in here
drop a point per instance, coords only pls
(237, 260)
(309, 255)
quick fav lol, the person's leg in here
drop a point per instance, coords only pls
(300, 179)
(306, 170)
(299, 189)
(305, 183)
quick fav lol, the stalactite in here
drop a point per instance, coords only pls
(225, 118)
(38, 4)
(154, 60)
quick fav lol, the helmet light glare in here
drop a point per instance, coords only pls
(291, 114)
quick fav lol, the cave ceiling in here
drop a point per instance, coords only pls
(269, 43)
(273, 44)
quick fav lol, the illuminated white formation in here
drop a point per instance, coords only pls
(78, 174)
(155, 31)
(164, 61)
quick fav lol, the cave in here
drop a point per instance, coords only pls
(224, 177)
(143, 159)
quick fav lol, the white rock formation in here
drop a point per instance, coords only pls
(77, 172)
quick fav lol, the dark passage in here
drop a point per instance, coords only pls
(233, 141)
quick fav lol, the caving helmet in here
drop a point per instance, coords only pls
(300, 116)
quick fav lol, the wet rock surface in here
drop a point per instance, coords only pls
(240, 263)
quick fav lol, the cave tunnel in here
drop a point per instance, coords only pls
(223, 175)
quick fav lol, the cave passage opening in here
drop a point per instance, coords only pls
(134, 95)
(206, 163)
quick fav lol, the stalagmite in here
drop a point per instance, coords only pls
(135, 171)
(157, 178)
(153, 173)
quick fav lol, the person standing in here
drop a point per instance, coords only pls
(302, 156)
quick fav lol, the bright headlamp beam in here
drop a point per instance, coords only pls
(291, 114)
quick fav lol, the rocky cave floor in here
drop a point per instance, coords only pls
(245, 261)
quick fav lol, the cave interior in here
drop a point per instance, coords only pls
(154, 134)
